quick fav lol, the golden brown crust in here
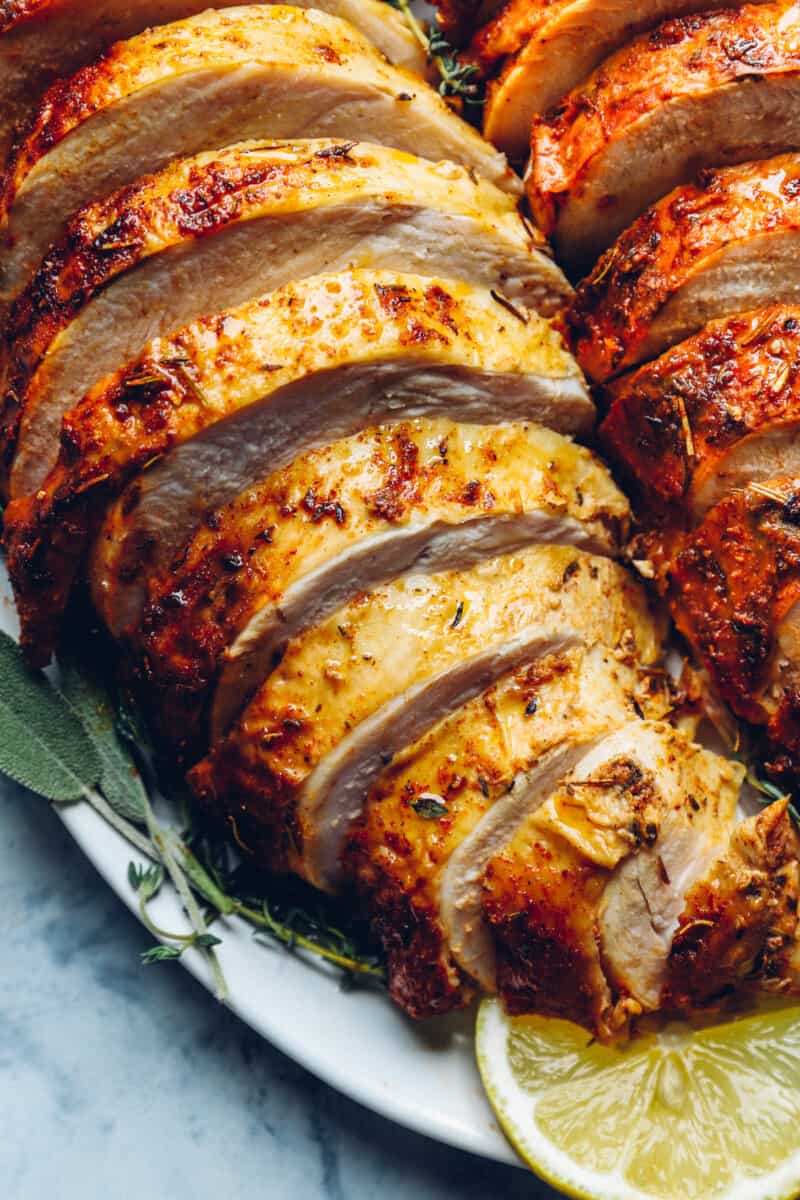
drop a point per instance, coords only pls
(12, 12)
(669, 246)
(730, 584)
(687, 56)
(515, 24)
(218, 366)
(671, 422)
(740, 919)
(249, 552)
(199, 197)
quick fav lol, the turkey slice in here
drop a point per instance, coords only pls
(399, 850)
(298, 764)
(734, 590)
(716, 413)
(426, 495)
(555, 45)
(727, 243)
(585, 896)
(303, 366)
(45, 40)
(211, 232)
(702, 91)
(259, 71)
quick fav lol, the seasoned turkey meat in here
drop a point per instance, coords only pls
(586, 897)
(548, 47)
(483, 759)
(707, 90)
(294, 771)
(426, 495)
(713, 414)
(261, 71)
(211, 232)
(312, 362)
(44, 40)
(727, 243)
(734, 587)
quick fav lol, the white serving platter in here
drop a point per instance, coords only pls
(421, 1076)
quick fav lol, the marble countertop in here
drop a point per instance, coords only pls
(118, 1081)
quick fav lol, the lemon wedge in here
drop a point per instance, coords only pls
(684, 1111)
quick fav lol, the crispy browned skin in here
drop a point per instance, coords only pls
(740, 920)
(668, 248)
(215, 368)
(581, 901)
(398, 858)
(513, 25)
(731, 584)
(364, 487)
(671, 422)
(687, 57)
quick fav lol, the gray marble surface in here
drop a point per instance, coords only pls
(118, 1081)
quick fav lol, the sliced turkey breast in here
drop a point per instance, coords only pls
(556, 44)
(585, 897)
(734, 587)
(296, 768)
(210, 232)
(715, 413)
(728, 243)
(426, 495)
(706, 90)
(739, 922)
(435, 793)
(305, 365)
(44, 40)
(221, 77)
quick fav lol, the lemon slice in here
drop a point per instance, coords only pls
(685, 1111)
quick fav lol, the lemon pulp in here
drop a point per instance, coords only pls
(685, 1111)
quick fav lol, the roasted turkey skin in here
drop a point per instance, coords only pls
(400, 854)
(715, 413)
(289, 550)
(727, 243)
(708, 90)
(733, 586)
(310, 362)
(261, 71)
(585, 898)
(545, 48)
(44, 40)
(214, 231)
(293, 772)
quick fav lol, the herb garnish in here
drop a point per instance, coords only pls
(69, 743)
(430, 806)
(457, 79)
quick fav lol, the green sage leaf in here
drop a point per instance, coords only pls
(119, 780)
(43, 744)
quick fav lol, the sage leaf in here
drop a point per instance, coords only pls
(43, 744)
(119, 780)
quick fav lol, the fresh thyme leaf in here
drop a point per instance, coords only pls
(206, 940)
(162, 954)
(43, 744)
(430, 806)
(457, 79)
(119, 780)
(146, 881)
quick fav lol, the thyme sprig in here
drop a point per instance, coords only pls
(457, 79)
